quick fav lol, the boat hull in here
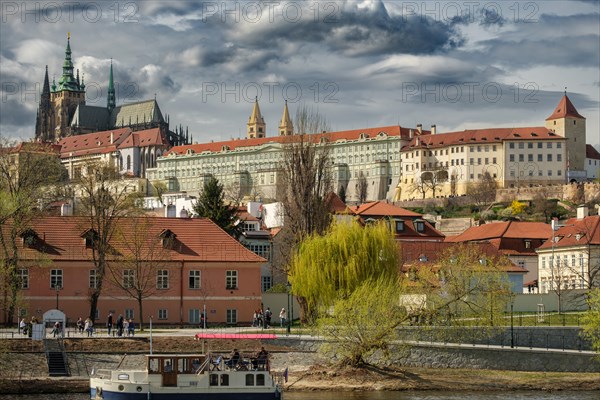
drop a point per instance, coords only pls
(107, 395)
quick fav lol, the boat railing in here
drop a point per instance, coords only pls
(245, 362)
(101, 373)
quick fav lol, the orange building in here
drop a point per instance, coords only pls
(181, 265)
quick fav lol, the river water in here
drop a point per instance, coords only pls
(428, 395)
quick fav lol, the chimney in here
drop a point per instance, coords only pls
(410, 133)
(582, 212)
(433, 130)
(112, 137)
(420, 128)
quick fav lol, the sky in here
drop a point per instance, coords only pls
(456, 64)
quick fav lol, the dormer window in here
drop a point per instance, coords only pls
(168, 238)
(30, 238)
(578, 236)
(528, 244)
(423, 258)
(363, 136)
(90, 237)
(399, 226)
(420, 226)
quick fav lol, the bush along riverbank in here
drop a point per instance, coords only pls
(23, 369)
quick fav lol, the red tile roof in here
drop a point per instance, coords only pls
(509, 229)
(577, 232)
(411, 253)
(591, 152)
(564, 109)
(478, 136)
(336, 205)
(394, 130)
(197, 239)
(148, 137)
(382, 209)
(93, 143)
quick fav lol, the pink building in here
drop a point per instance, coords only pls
(182, 265)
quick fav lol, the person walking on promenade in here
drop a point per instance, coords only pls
(282, 317)
(131, 328)
(120, 326)
(109, 323)
(80, 325)
(22, 326)
(89, 326)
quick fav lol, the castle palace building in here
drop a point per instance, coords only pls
(397, 163)
(62, 111)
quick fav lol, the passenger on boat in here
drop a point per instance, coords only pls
(234, 359)
(260, 361)
(168, 367)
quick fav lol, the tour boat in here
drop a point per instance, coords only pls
(208, 376)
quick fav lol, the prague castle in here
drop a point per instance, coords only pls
(62, 111)
(396, 161)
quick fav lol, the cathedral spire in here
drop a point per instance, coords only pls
(286, 127)
(111, 101)
(67, 81)
(256, 124)
(42, 122)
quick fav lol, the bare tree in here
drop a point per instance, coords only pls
(544, 205)
(305, 184)
(105, 200)
(362, 188)
(453, 183)
(25, 170)
(306, 176)
(144, 252)
(483, 191)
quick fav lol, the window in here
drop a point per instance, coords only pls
(528, 244)
(511, 157)
(494, 161)
(266, 283)
(224, 379)
(419, 226)
(549, 157)
(581, 260)
(23, 276)
(93, 279)
(231, 280)
(540, 145)
(511, 145)
(260, 379)
(194, 315)
(231, 316)
(263, 250)
(163, 313)
(399, 226)
(559, 157)
(128, 278)
(249, 380)
(573, 260)
(540, 157)
(162, 279)
(529, 157)
(530, 145)
(559, 145)
(549, 145)
(559, 172)
(521, 157)
(194, 280)
(549, 172)
(56, 279)
(129, 313)
(521, 145)
(543, 262)
(521, 264)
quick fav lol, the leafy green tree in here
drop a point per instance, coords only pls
(363, 322)
(591, 319)
(211, 205)
(332, 266)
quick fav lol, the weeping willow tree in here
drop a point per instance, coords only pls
(333, 266)
(364, 322)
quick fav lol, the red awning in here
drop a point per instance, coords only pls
(235, 336)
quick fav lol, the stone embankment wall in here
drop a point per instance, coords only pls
(474, 357)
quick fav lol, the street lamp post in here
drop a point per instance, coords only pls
(512, 326)
(289, 327)
(57, 288)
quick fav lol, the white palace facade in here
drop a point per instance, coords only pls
(393, 159)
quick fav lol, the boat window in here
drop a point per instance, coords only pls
(183, 365)
(214, 380)
(168, 365)
(225, 380)
(153, 366)
(123, 377)
(249, 380)
(260, 379)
